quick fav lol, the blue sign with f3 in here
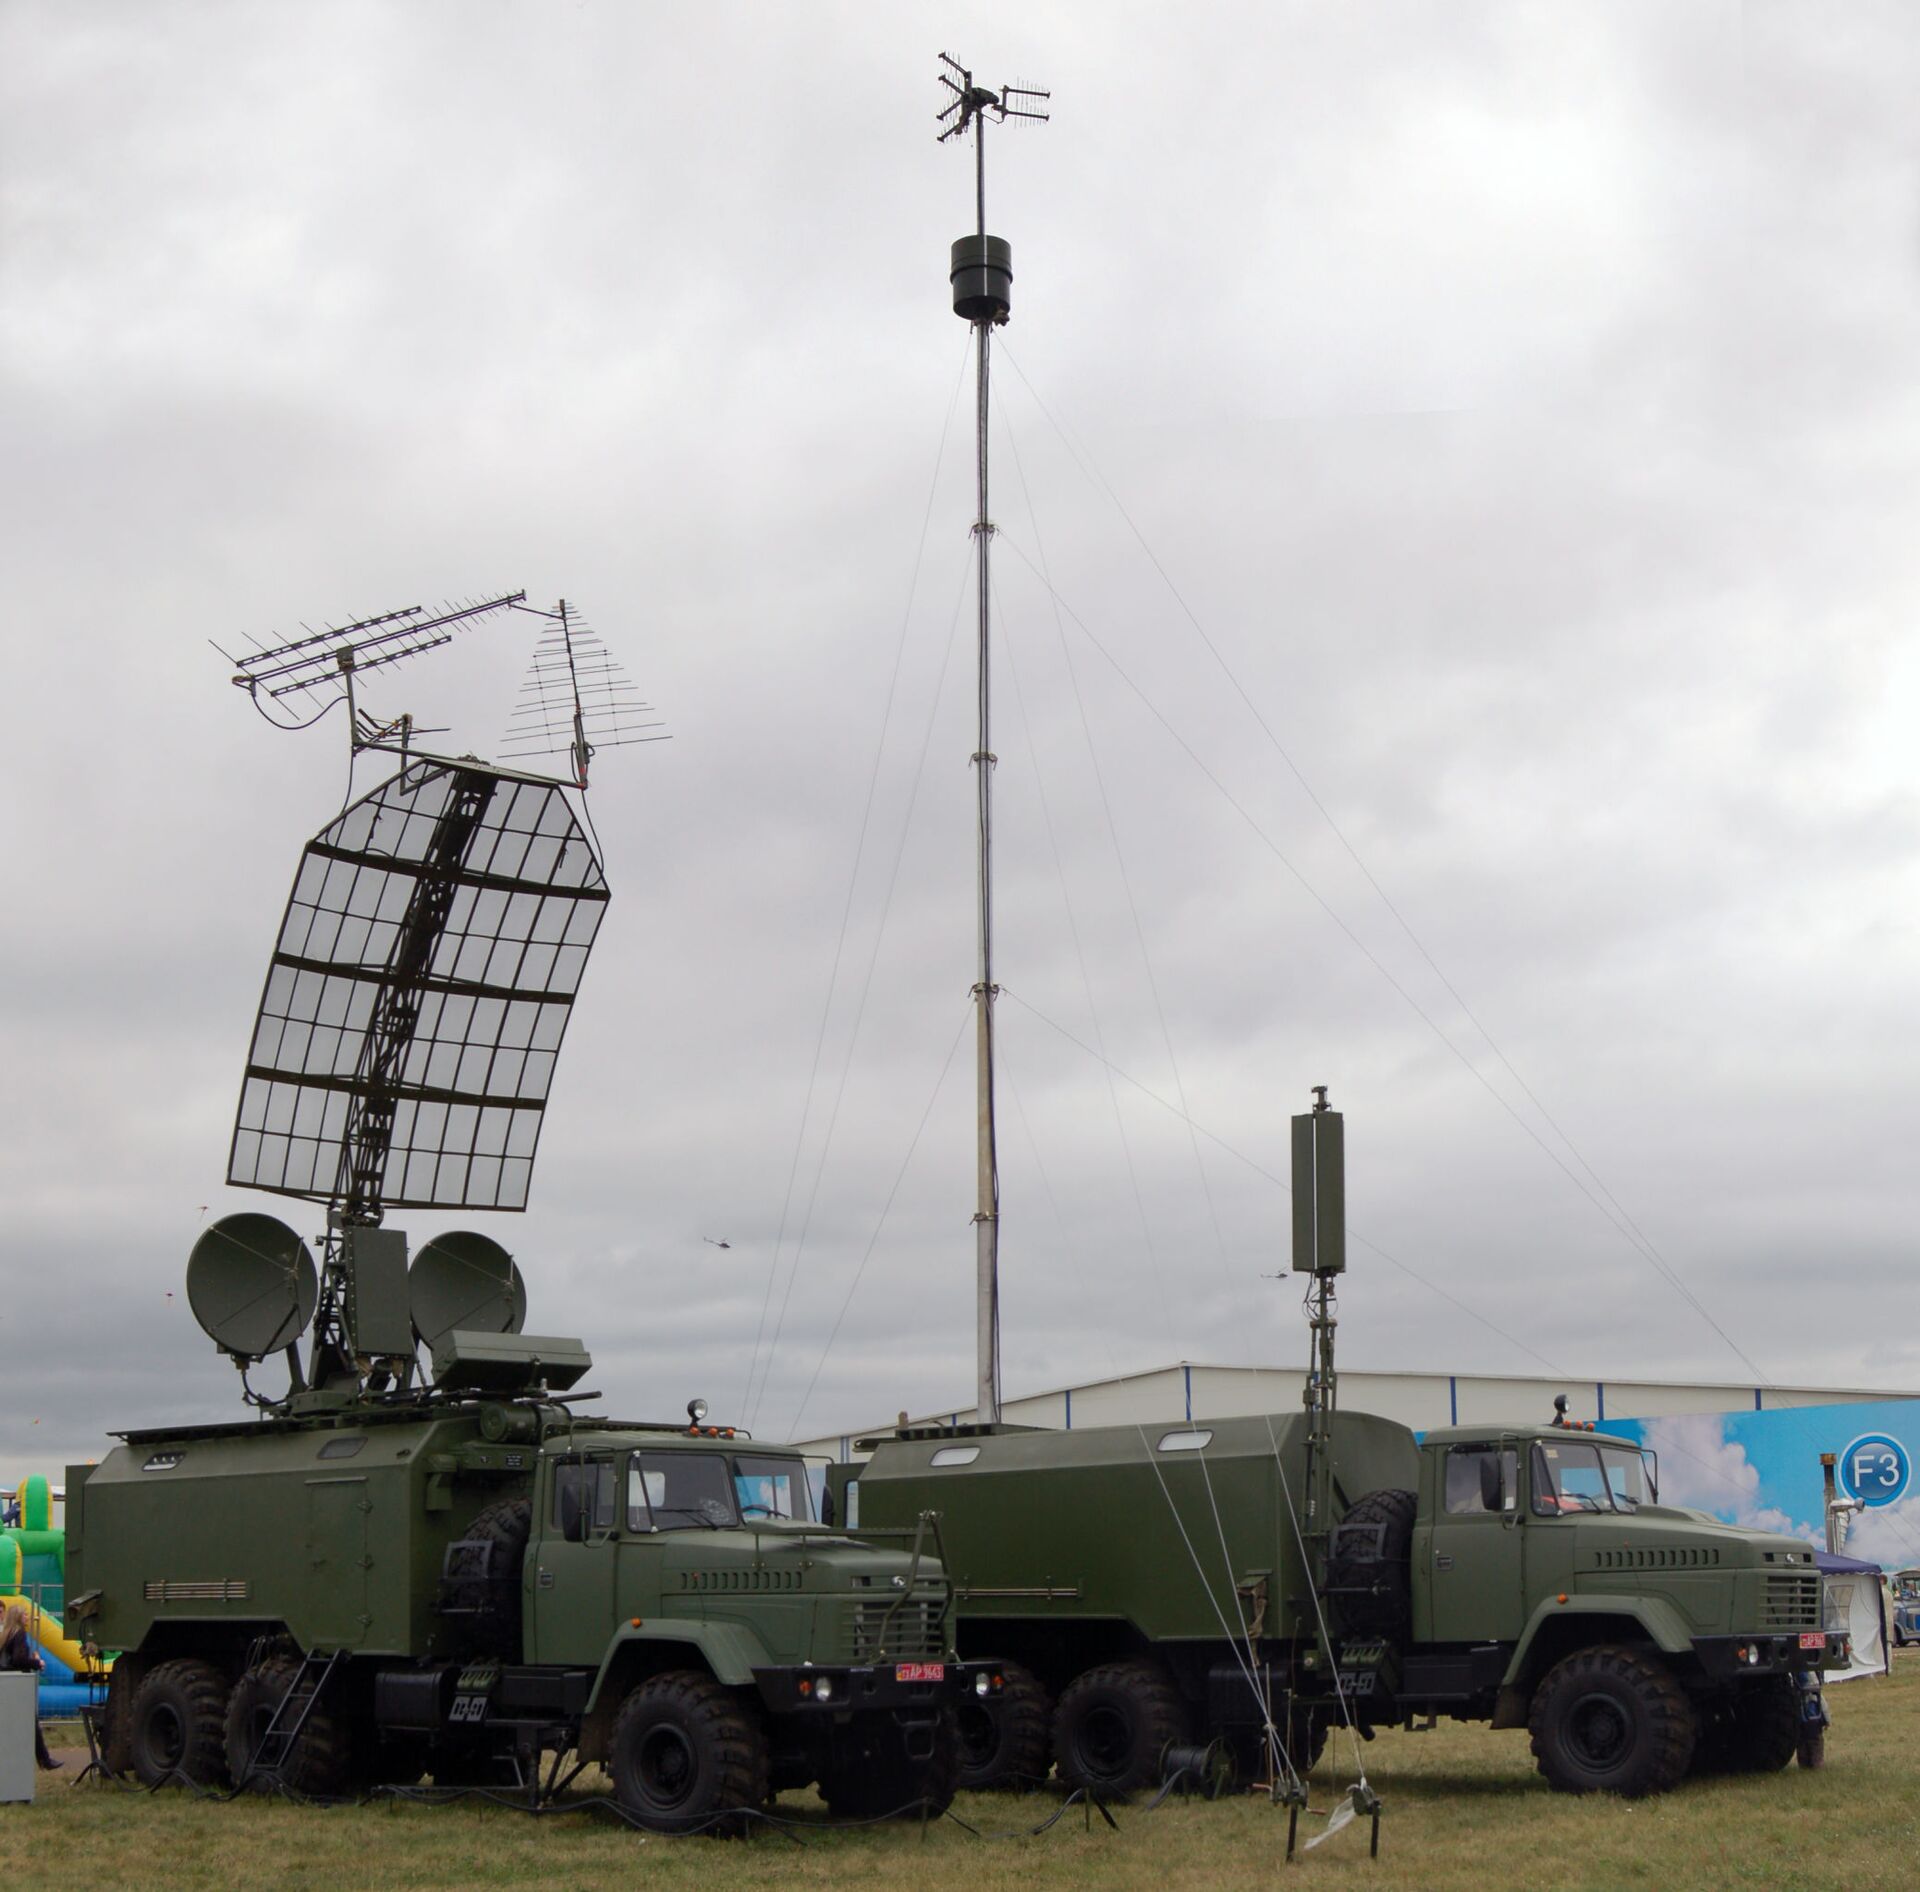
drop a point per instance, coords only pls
(1874, 1468)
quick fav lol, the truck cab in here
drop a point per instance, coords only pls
(1547, 1587)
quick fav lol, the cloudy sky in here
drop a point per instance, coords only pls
(1456, 472)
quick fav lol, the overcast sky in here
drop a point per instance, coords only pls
(1474, 451)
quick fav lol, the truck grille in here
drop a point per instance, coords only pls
(196, 1590)
(740, 1579)
(1658, 1557)
(1790, 1602)
(909, 1631)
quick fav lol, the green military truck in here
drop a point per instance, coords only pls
(1263, 1580)
(457, 1586)
(1143, 1586)
(420, 1558)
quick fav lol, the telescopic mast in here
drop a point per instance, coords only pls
(982, 278)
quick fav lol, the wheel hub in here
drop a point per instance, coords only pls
(1105, 1736)
(666, 1766)
(1598, 1731)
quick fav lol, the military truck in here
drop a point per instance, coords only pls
(1142, 1587)
(420, 1558)
(459, 1586)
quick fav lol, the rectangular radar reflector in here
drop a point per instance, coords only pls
(424, 976)
(377, 1317)
(466, 1361)
(1320, 1193)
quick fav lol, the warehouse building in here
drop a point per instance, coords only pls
(1189, 1390)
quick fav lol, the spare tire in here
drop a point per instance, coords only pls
(482, 1589)
(1369, 1566)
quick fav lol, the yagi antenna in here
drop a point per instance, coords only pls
(578, 700)
(320, 668)
(970, 101)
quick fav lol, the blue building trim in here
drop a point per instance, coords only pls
(1600, 1400)
(1186, 1374)
(1758, 1404)
(1069, 1408)
(1453, 1400)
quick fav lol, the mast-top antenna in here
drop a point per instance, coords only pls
(982, 278)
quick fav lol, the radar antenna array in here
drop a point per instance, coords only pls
(423, 979)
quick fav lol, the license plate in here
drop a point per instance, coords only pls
(1813, 1639)
(920, 1672)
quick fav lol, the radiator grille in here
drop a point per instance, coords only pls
(197, 1590)
(1790, 1602)
(910, 1631)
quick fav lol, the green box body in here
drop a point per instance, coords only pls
(1074, 1549)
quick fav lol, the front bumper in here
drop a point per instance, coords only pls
(884, 1686)
(1727, 1658)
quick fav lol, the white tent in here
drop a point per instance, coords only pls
(1857, 1613)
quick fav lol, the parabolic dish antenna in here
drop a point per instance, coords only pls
(252, 1285)
(465, 1281)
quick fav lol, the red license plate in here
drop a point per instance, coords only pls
(1813, 1639)
(920, 1672)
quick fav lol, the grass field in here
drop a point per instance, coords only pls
(1465, 1813)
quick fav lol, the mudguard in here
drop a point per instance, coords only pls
(1662, 1623)
(731, 1652)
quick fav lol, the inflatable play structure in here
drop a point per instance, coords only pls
(33, 1571)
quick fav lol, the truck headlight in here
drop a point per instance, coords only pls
(823, 1688)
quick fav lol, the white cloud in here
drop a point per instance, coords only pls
(1701, 1469)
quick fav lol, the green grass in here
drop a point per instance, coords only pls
(1465, 1813)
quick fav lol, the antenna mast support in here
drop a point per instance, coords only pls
(1320, 1250)
(981, 273)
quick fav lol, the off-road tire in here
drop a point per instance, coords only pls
(1612, 1720)
(1764, 1727)
(1371, 1592)
(873, 1777)
(175, 1724)
(689, 1756)
(318, 1766)
(1113, 1725)
(487, 1607)
(1005, 1744)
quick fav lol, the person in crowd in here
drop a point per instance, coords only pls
(17, 1652)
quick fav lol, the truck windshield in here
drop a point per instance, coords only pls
(771, 1488)
(679, 1491)
(1570, 1476)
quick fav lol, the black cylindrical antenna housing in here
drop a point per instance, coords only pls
(982, 277)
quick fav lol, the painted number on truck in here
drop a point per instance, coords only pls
(920, 1672)
(468, 1708)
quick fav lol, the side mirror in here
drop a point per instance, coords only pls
(1490, 1491)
